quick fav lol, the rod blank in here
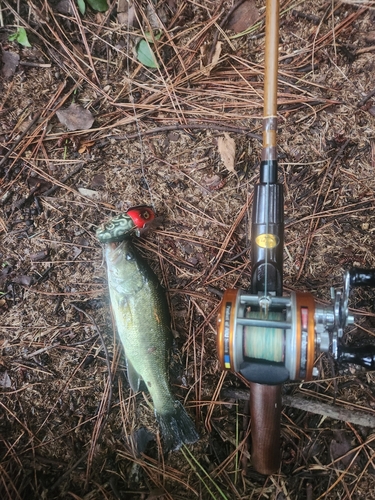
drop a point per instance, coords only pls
(271, 66)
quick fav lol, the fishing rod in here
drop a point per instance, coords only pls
(266, 336)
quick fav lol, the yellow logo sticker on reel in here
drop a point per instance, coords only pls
(267, 240)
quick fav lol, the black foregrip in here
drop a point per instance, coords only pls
(268, 172)
(363, 356)
(362, 277)
(267, 232)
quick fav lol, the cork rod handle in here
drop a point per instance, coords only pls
(265, 413)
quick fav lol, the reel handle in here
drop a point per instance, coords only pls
(362, 277)
(265, 413)
(362, 356)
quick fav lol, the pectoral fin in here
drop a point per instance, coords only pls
(133, 376)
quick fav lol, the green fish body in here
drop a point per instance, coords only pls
(141, 313)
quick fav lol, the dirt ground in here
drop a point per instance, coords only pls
(66, 424)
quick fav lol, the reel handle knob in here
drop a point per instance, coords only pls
(362, 277)
(363, 355)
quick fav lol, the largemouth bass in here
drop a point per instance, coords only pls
(142, 318)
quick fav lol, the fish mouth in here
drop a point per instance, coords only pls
(115, 251)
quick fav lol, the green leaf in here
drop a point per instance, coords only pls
(145, 55)
(150, 37)
(100, 5)
(81, 6)
(20, 37)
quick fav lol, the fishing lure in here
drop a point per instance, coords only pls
(126, 224)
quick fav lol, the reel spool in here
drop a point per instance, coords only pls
(271, 339)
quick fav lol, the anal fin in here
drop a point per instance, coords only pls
(133, 376)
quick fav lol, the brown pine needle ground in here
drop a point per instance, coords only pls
(66, 431)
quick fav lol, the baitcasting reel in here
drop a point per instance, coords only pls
(266, 336)
(270, 339)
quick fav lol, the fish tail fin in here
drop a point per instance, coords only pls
(176, 427)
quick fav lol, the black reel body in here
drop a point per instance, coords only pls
(270, 339)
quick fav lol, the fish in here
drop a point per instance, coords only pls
(142, 319)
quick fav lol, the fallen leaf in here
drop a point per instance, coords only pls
(157, 19)
(187, 248)
(38, 256)
(98, 180)
(206, 68)
(243, 17)
(156, 494)
(193, 261)
(227, 149)
(81, 6)
(76, 252)
(77, 51)
(5, 382)
(151, 36)
(38, 185)
(20, 37)
(10, 62)
(126, 13)
(340, 446)
(24, 280)
(85, 146)
(84, 242)
(281, 496)
(213, 183)
(370, 37)
(75, 117)
(89, 193)
(145, 54)
(4, 275)
(64, 7)
(173, 136)
(100, 5)
(216, 56)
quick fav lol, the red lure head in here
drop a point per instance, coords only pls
(141, 216)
